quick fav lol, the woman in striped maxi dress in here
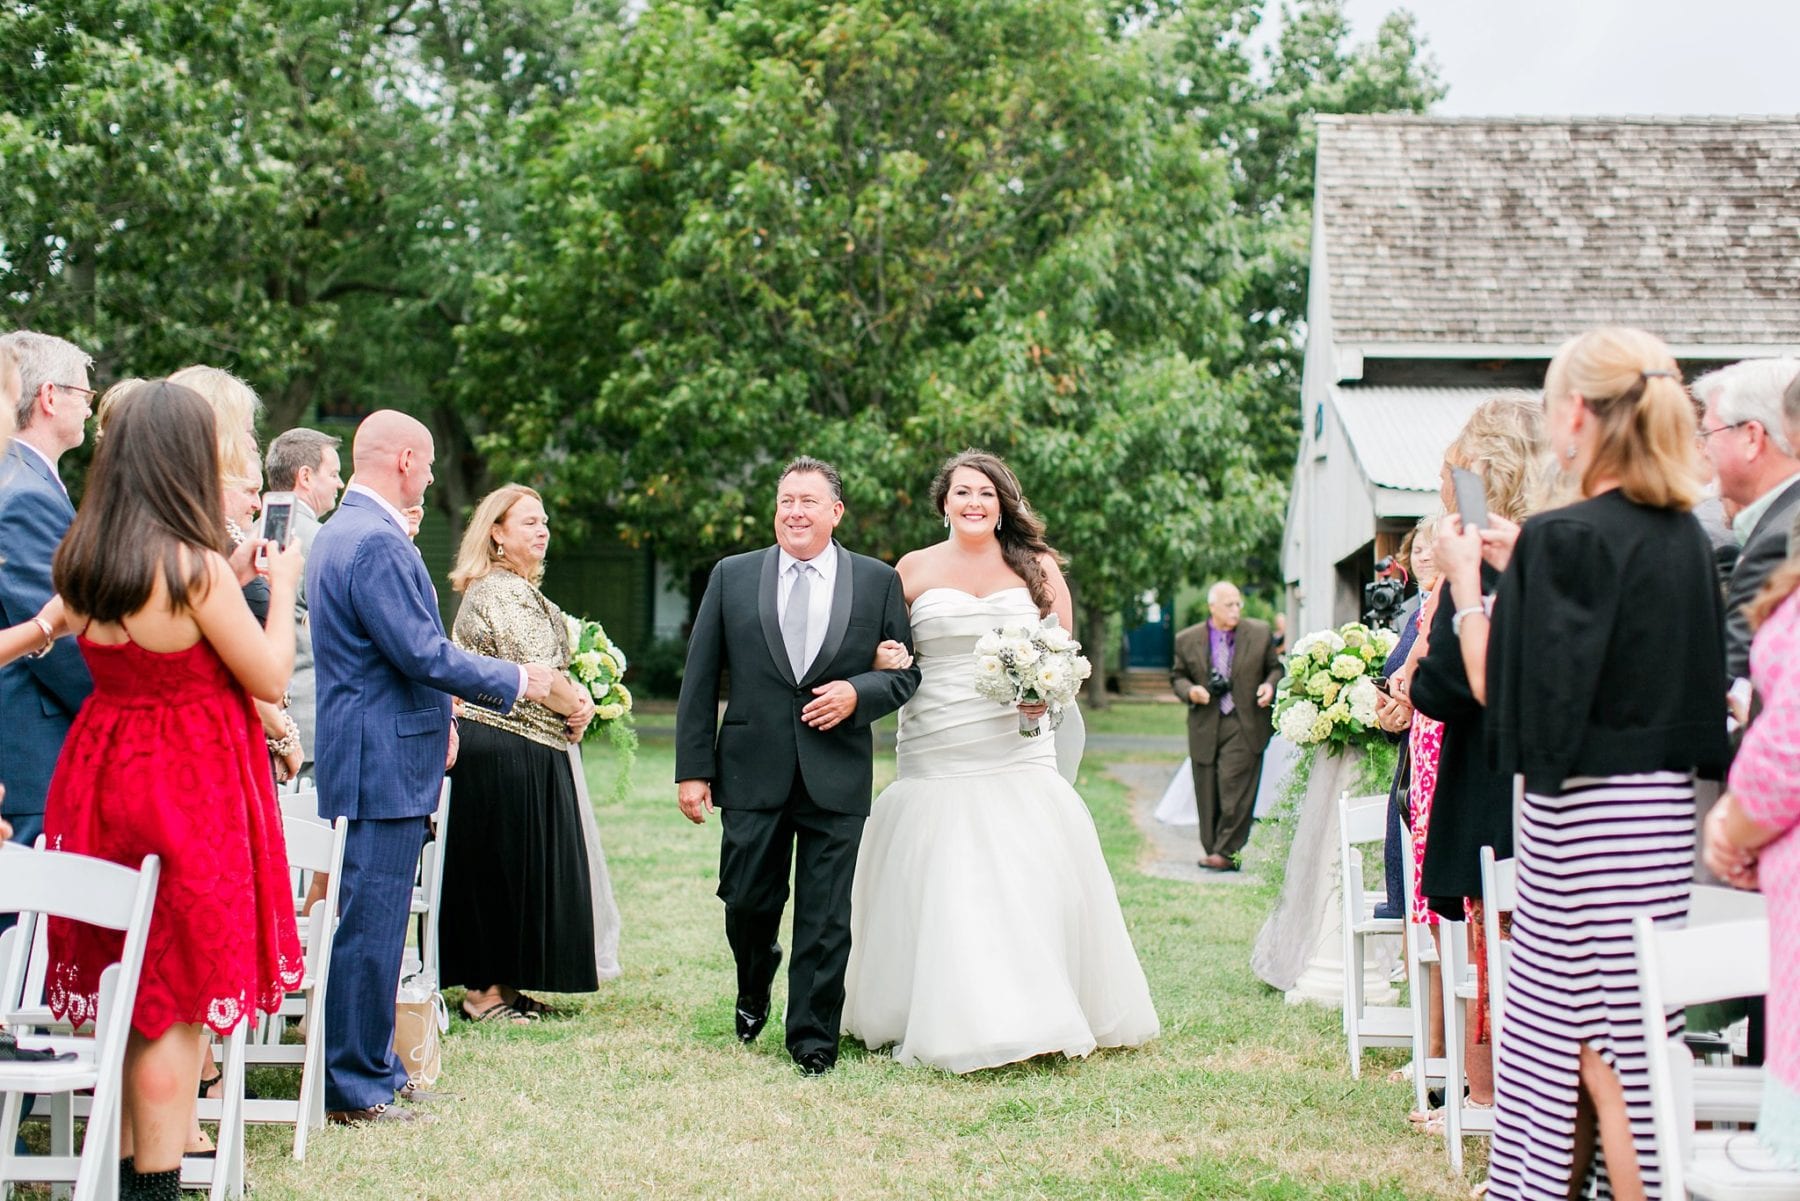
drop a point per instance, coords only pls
(1604, 680)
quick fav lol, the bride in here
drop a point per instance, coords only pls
(984, 925)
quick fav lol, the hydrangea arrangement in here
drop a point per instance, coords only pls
(1026, 663)
(1328, 694)
(598, 665)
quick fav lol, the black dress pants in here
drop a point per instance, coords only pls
(755, 851)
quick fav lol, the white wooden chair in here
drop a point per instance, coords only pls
(1706, 962)
(37, 884)
(311, 847)
(1421, 956)
(1459, 988)
(1499, 894)
(428, 892)
(1362, 821)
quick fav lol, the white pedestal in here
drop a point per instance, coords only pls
(1321, 982)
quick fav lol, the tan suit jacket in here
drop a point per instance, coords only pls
(1254, 661)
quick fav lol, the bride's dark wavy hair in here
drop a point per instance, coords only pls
(1021, 533)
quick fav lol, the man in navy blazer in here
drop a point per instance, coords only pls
(38, 695)
(385, 673)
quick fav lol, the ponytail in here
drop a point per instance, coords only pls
(1628, 380)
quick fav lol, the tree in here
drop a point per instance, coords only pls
(878, 232)
(294, 189)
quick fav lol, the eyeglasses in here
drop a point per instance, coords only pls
(1703, 435)
(87, 392)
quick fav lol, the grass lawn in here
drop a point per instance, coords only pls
(645, 1092)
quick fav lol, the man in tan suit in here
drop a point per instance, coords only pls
(1226, 669)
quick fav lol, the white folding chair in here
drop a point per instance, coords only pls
(428, 891)
(1707, 962)
(311, 847)
(1421, 956)
(1499, 894)
(1362, 821)
(37, 884)
(1459, 988)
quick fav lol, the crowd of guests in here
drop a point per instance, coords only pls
(209, 664)
(1621, 628)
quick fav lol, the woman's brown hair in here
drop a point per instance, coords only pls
(152, 505)
(1629, 381)
(1781, 585)
(1020, 532)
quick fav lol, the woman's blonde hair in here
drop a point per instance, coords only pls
(1503, 443)
(1629, 381)
(108, 404)
(476, 556)
(235, 406)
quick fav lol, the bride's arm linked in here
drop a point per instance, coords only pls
(879, 691)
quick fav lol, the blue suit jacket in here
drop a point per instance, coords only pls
(384, 669)
(38, 697)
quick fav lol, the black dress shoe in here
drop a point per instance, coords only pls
(753, 1011)
(815, 1063)
(375, 1114)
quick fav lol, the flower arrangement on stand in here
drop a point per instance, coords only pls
(1327, 697)
(1031, 664)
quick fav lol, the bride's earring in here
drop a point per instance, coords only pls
(946, 521)
(996, 525)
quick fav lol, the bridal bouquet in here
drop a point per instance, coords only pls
(599, 666)
(1033, 664)
(1328, 694)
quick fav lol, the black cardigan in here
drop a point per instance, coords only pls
(1605, 656)
(1472, 807)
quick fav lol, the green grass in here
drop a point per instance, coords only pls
(1163, 718)
(645, 1093)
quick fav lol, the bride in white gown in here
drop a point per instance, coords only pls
(984, 925)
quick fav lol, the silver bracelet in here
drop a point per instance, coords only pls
(288, 743)
(49, 639)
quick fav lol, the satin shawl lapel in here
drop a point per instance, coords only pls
(841, 597)
(768, 607)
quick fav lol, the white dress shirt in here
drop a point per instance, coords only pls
(400, 521)
(818, 609)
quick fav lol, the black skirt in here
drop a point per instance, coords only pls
(517, 906)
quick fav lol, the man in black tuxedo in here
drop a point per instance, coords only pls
(791, 768)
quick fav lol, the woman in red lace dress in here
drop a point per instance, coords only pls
(167, 758)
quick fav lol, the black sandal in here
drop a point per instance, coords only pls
(531, 1007)
(250, 1094)
(499, 1011)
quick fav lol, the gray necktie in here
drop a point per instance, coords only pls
(793, 622)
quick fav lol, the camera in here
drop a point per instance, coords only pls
(1382, 601)
(1217, 684)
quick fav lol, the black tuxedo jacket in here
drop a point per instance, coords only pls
(1764, 551)
(752, 756)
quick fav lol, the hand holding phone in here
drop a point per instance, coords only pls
(1471, 498)
(277, 523)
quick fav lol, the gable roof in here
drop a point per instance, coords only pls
(1518, 231)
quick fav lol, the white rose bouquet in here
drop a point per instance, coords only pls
(1035, 664)
(1328, 694)
(598, 665)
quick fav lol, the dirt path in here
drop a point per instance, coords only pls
(1173, 850)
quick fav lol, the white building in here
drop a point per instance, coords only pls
(1451, 256)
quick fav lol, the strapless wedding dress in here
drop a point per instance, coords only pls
(984, 924)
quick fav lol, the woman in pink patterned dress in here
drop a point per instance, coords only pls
(1751, 841)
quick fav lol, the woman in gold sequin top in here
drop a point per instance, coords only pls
(526, 902)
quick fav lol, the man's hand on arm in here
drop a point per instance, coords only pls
(831, 704)
(538, 680)
(695, 799)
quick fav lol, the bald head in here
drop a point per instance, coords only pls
(1225, 604)
(392, 455)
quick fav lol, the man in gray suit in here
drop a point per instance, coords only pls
(306, 463)
(1747, 441)
(1226, 669)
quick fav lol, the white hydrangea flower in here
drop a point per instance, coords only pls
(573, 625)
(587, 664)
(1055, 638)
(1362, 696)
(1297, 722)
(1347, 667)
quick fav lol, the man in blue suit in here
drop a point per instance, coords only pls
(38, 695)
(385, 673)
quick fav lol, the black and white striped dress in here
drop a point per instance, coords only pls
(1590, 860)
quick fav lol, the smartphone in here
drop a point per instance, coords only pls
(277, 521)
(1381, 684)
(1471, 498)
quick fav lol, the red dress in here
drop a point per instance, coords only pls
(166, 757)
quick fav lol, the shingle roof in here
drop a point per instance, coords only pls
(1508, 231)
(1399, 435)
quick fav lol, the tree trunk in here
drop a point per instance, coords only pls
(1095, 642)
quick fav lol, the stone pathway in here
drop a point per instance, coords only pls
(1174, 850)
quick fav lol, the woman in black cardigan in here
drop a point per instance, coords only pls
(1603, 677)
(1503, 442)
